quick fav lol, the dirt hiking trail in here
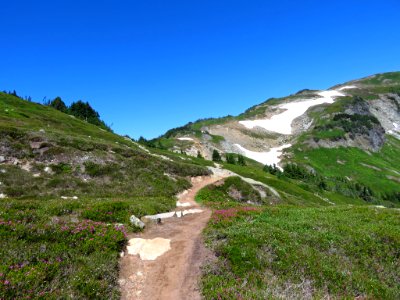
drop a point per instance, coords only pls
(174, 274)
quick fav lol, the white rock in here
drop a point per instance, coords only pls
(3, 196)
(192, 211)
(161, 216)
(67, 197)
(183, 204)
(136, 222)
(2, 159)
(148, 249)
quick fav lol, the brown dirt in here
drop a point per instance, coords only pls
(175, 274)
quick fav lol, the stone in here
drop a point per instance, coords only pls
(136, 222)
(2, 159)
(148, 249)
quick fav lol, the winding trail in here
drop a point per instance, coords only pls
(174, 274)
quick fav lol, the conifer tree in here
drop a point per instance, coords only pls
(216, 156)
(58, 104)
(230, 159)
(241, 161)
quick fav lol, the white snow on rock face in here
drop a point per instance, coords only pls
(282, 123)
(266, 158)
(148, 249)
(185, 139)
(347, 87)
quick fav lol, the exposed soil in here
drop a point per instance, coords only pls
(175, 274)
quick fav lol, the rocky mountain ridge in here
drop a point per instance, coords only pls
(355, 114)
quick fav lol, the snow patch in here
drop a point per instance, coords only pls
(347, 87)
(266, 158)
(148, 249)
(282, 123)
(185, 139)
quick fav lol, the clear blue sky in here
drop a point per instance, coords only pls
(148, 66)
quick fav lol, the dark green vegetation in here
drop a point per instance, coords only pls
(54, 246)
(81, 110)
(216, 156)
(235, 159)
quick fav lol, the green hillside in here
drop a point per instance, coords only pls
(53, 247)
(324, 226)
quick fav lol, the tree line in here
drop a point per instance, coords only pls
(80, 109)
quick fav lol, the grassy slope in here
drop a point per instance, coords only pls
(370, 169)
(305, 249)
(291, 252)
(378, 170)
(292, 192)
(54, 248)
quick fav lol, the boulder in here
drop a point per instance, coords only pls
(136, 222)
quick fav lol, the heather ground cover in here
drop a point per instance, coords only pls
(282, 251)
(62, 249)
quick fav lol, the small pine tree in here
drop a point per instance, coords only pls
(199, 155)
(216, 156)
(142, 140)
(58, 104)
(241, 160)
(272, 169)
(230, 159)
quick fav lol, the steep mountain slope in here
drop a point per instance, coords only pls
(354, 127)
(47, 152)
